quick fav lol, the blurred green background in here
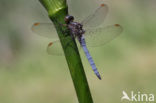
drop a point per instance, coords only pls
(29, 75)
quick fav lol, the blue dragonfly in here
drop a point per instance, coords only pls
(92, 37)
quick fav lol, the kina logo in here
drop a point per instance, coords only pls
(137, 97)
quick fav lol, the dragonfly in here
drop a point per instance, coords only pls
(93, 37)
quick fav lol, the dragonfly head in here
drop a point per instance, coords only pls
(68, 19)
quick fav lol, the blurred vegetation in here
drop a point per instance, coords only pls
(29, 75)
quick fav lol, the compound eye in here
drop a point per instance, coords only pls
(71, 18)
(68, 19)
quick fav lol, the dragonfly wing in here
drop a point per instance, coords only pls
(55, 48)
(96, 18)
(100, 36)
(45, 29)
(82, 8)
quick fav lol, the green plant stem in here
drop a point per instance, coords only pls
(57, 10)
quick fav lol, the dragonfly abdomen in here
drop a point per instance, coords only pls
(89, 57)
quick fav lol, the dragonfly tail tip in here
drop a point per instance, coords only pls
(99, 77)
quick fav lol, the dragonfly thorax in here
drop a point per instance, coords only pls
(75, 28)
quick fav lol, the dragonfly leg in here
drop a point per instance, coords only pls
(65, 32)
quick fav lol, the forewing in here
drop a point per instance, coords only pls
(80, 9)
(100, 36)
(96, 18)
(45, 29)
